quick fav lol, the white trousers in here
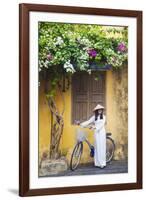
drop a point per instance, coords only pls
(100, 147)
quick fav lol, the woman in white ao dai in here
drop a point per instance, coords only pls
(98, 119)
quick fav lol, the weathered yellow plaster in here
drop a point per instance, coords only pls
(113, 122)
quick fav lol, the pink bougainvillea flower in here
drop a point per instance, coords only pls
(121, 47)
(49, 56)
(92, 52)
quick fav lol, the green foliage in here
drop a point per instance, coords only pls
(67, 48)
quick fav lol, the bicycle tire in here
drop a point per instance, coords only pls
(109, 154)
(79, 146)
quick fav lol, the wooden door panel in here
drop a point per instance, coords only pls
(80, 112)
(86, 94)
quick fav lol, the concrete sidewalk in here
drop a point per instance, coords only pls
(89, 169)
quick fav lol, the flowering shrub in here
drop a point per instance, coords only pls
(69, 67)
(67, 48)
(72, 46)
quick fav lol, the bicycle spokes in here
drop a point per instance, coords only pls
(76, 156)
(110, 148)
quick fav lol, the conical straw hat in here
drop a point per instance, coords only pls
(98, 107)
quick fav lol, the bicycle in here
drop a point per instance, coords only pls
(78, 149)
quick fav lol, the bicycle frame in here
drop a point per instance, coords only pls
(86, 140)
(88, 143)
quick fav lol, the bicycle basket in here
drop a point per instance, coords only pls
(81, 135)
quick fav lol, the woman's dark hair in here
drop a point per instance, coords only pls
(97, 113)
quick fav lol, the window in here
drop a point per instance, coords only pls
(86, 94)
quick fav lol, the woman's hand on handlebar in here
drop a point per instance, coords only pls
(91, 127)
(77, 122)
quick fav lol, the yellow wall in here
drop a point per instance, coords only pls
(113, 124)
(117, 109)
(44, 121)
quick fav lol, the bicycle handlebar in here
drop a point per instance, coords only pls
(90, 127)
(77, 122)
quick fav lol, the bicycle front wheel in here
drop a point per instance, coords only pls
(110, 149)
(76, 156)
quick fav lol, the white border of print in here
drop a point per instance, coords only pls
(49, 182)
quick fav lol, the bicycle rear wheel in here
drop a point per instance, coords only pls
(76, 156)
(110, 149)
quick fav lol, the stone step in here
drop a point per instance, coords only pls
(51, 166)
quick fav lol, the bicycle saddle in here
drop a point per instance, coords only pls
(108, 134)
